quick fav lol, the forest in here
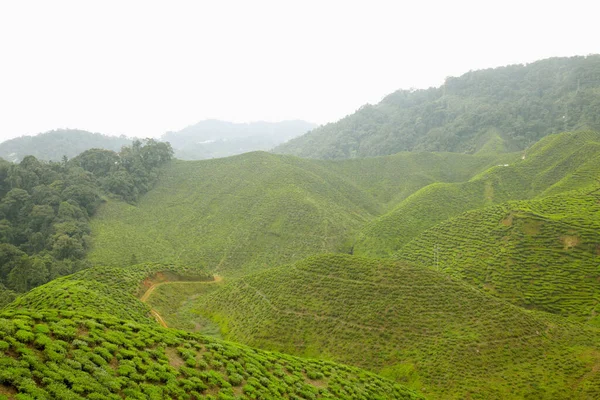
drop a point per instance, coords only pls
(45, 208)
(501, 109)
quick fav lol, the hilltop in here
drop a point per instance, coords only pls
(540, 254)
(258, 209)
(214, 139)
(555, 164)
(493, 110)
(53, 145)
(83, 348)
(413, 324)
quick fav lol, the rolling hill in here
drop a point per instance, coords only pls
(83, 348)
(555, 164)
(541, 254)
(500, 109)
(413, 324)
(258, 209)
(53, 145)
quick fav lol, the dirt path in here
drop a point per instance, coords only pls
(148, 293)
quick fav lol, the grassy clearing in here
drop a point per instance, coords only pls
(105, 290)
(173, 301)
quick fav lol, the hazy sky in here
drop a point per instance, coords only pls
(142, 67)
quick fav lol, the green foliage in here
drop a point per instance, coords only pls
(232, 214)
(45, 208)
(256, 210)
(505, 108)
(414, 324)
(557, 163)
(175, 302)
(102, 357)
(541, 254)
(105, 290)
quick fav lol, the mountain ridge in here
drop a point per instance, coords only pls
(508, 108)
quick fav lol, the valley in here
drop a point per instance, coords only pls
(441, 244)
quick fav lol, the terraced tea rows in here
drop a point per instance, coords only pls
(69, 339)
(541, 254)
(555, 164)
(244, 213)
(52, 354)
(413, 324)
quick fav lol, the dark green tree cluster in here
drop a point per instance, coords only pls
(45, 208)
(500, 109)
(129, 173)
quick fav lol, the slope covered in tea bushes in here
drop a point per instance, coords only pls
(256, 210)
(87, 336)
(555, 164)
(104, 290)
(541, 254)
(65, 355)
(410, 323)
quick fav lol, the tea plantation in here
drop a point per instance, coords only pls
(412, 324)
(556, 164)
(66, 355)
(541, 254)
(77, 338)
(248, 212)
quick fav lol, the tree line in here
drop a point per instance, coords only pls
(45, 208)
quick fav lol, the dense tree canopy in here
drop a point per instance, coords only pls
(500, 109)
(45, 208)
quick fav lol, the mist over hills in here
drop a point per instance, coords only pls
(460, 261)
(53, 145)
(500, 109)
(214, 138)
(204, 140)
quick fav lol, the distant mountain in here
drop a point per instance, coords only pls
(500, 109)
(53, 145)
(214, 139)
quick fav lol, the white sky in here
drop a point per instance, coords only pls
(141, 68)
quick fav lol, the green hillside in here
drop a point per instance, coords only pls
(500, 109)
(87, 336)
(555, 164)
(413, 324)
(58, 354)
(541, 254)
(103, 290)
(391, 179)
(259, 209)
(231, 214)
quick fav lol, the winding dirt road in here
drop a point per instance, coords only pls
(148, 293)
